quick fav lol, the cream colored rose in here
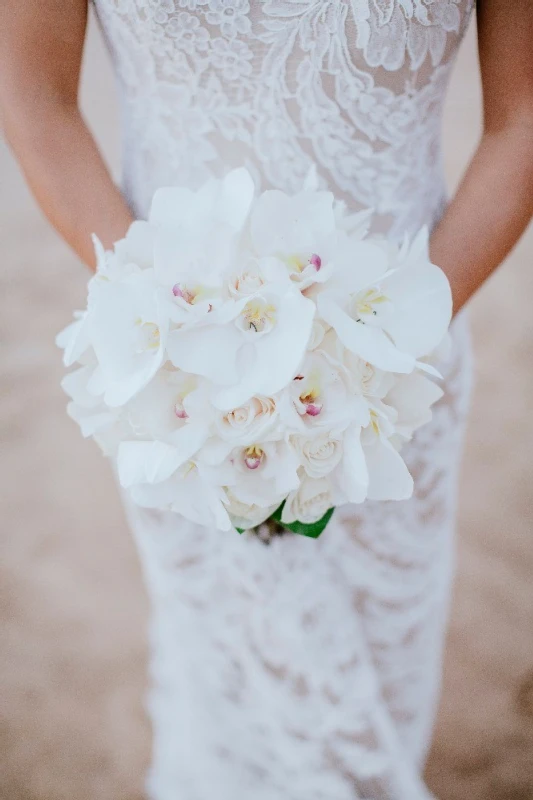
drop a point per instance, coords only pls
(309, 502)
(367, 379)
(248, 422)
(320, 454)
(246, 516)
(246, 282)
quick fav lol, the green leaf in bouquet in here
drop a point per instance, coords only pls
(313, 530)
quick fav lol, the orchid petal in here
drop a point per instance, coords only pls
(412, 396)
(277, 354)
(74, 340)
(353, 472)
(154, 462)
(236, 195)
(421, 308)
(389, 478)
(137, 247)
(368, 342)
(358, 265)
(146, 462)
(211, 351)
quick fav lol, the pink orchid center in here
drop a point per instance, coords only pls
(299, 262)
(311, 403)
(313, 409)
(186, 294)
(315, 261)
(179, 411)
(253, 457)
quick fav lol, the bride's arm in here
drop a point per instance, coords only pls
(494, 202)
(41, 46)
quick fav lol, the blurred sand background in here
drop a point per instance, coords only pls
(73, 608)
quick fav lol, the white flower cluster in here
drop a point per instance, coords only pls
(240, 352)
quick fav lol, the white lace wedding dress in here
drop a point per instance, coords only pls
(302, 670)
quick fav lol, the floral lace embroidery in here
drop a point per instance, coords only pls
(355, 86)
(306, 670)
(387, 28)
(302, 670)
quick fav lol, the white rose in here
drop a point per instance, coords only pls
(248, 422)
(246, 282)
(367, 379)
(309, 502)
(319, 455)
(246, 515)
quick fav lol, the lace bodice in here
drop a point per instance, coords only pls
(353, 86)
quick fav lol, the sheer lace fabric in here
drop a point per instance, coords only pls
(299, 670)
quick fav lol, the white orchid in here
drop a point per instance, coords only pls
(172, 400)
(412, 396)
(94, 417)
(74, 340)
(137, 247)
(254, 346)
(387, 311)
(128, 328)
(300, 231)
(388, 476)
(171, 421)
(356, 225)
(319, 396)
(197, 236)
(351, 478)
(128, 257)
(192, 490)
(263, 473)
(154, 462)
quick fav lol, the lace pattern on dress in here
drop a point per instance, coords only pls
(306, 670)
(302, 670)
(355, 87)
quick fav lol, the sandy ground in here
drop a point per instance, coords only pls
(72, 605)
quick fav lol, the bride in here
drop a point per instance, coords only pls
(300, 670)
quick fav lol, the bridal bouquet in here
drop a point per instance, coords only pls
(246, 358)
